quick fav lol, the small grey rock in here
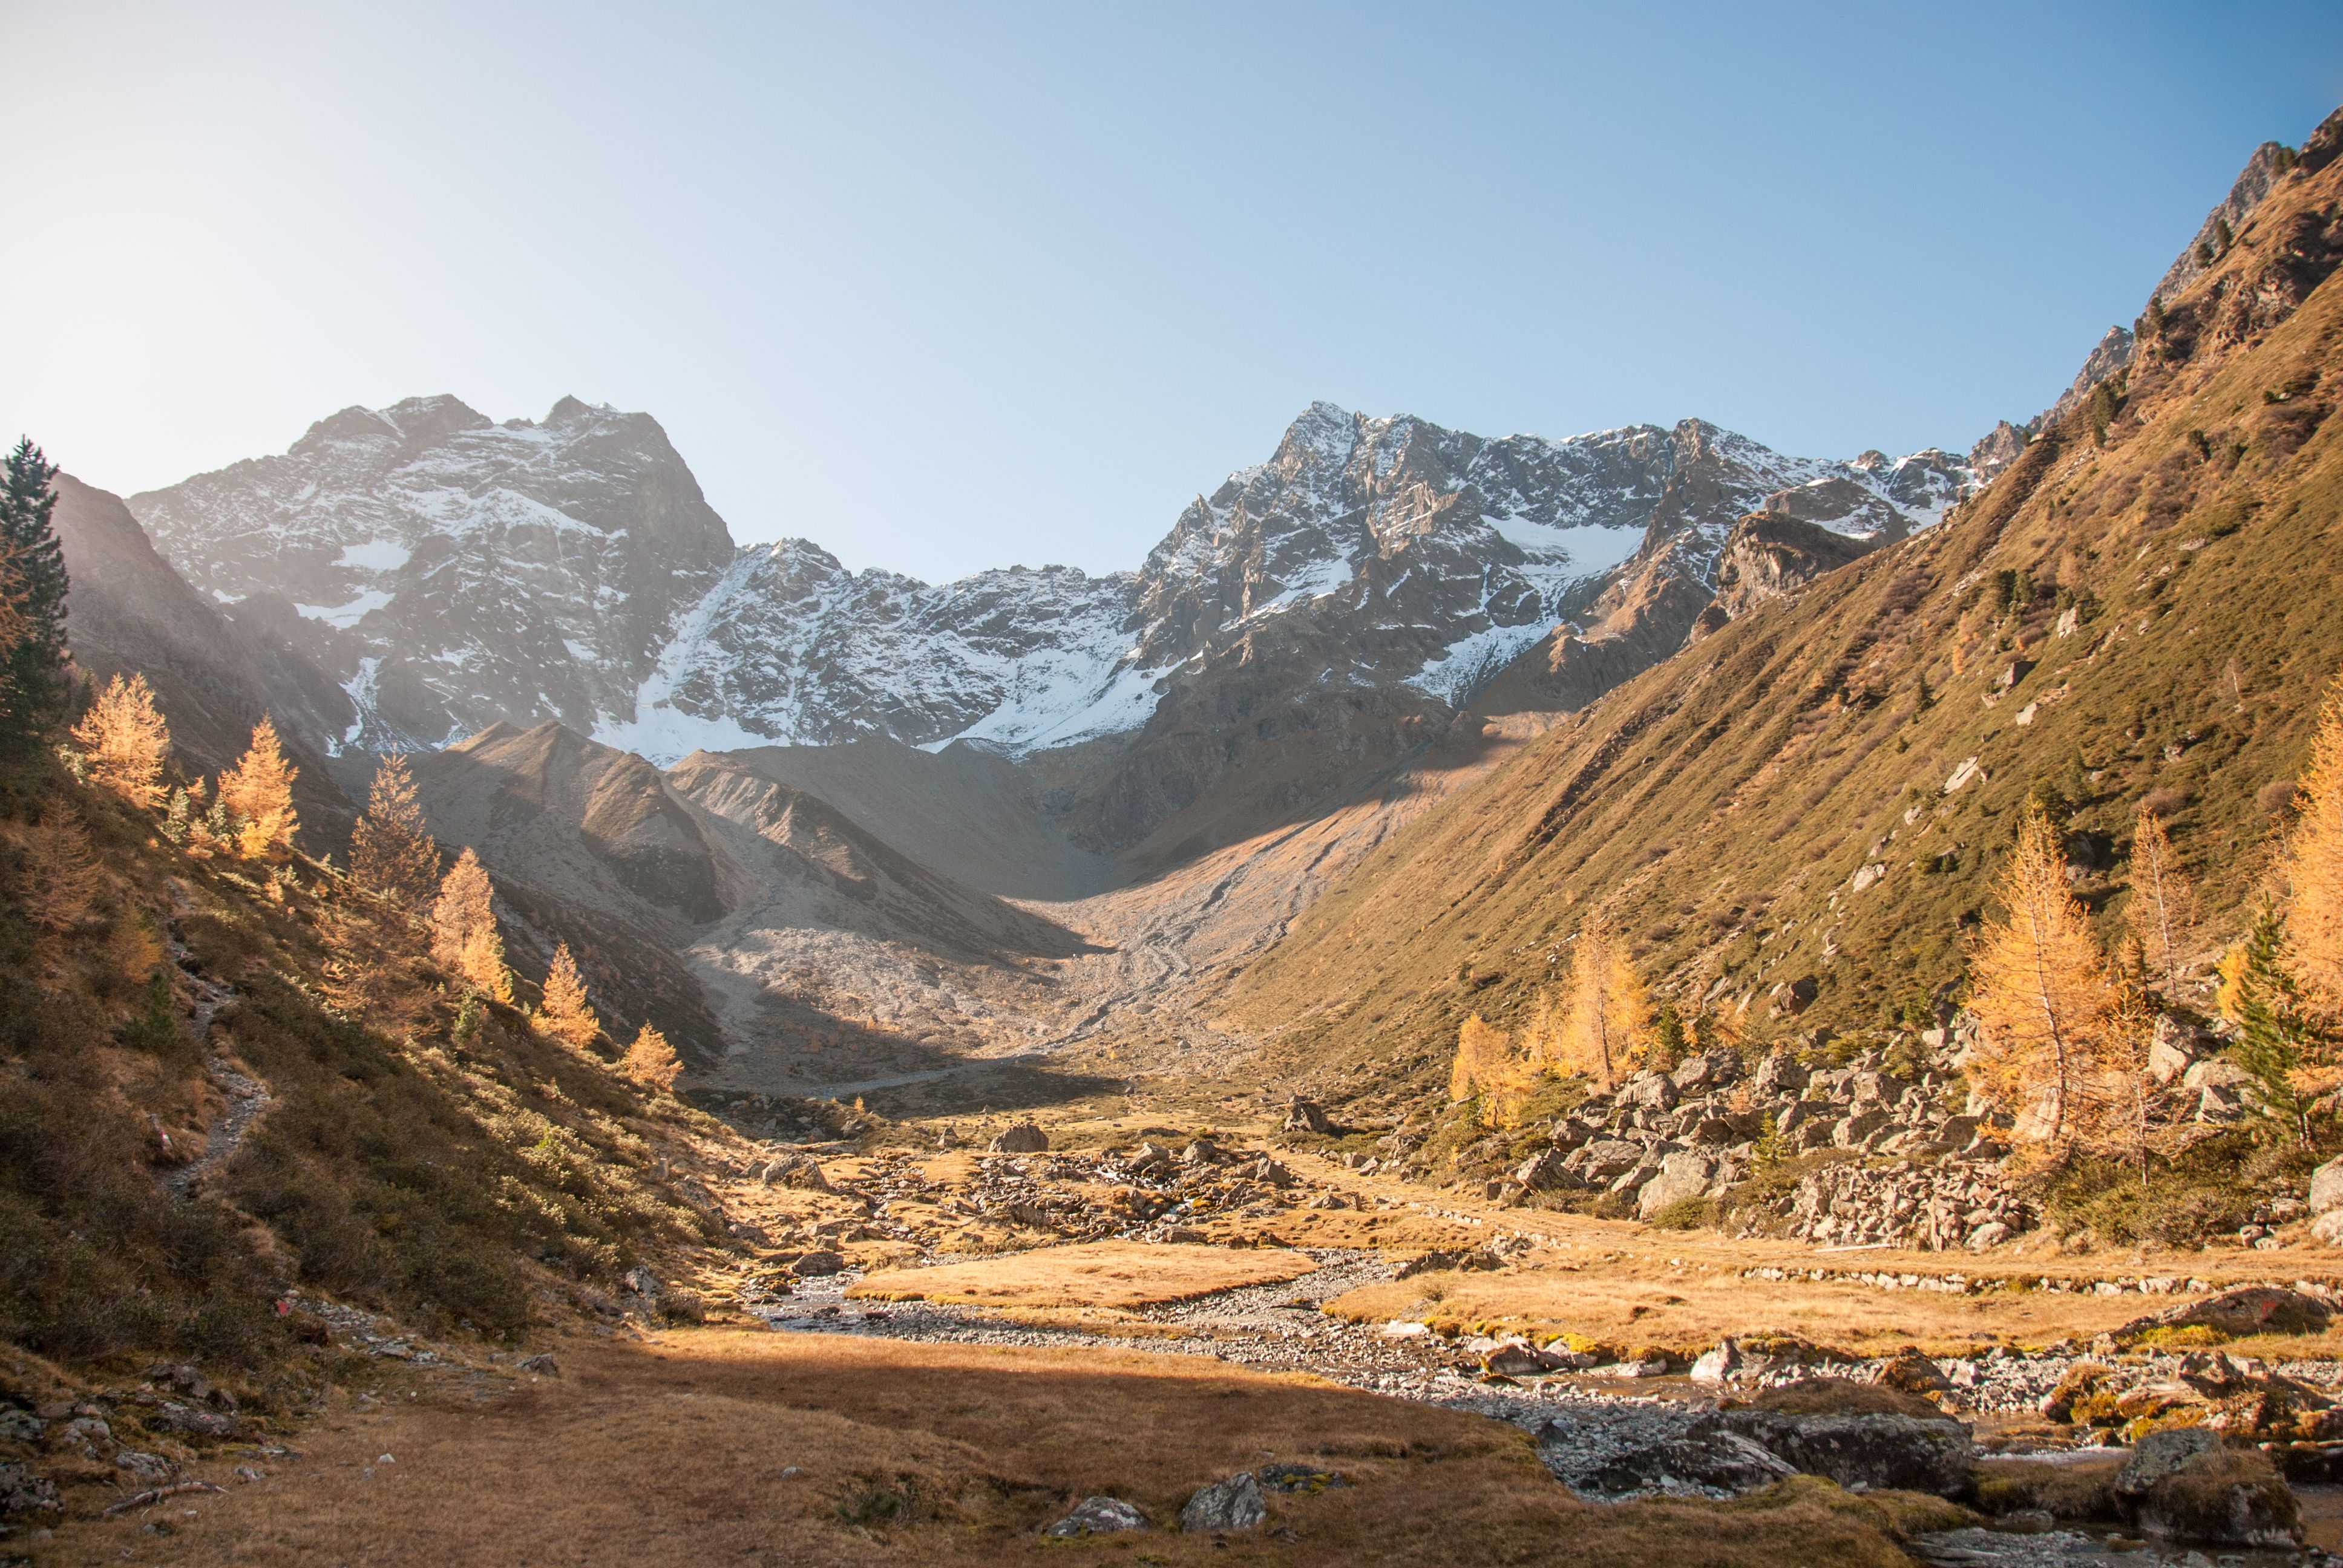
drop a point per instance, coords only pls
(1225, 1506)
(1099, 1517)
(147, 1467)
(22, 1491)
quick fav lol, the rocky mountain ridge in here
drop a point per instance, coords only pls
(451, 572)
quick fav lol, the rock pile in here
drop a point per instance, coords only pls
(1703, 1130)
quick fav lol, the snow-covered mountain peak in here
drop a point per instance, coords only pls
(454, 571)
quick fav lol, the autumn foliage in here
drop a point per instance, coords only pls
(651, 1061)
(1600, 1028)
(2053, 1017)
(1610, 1015)
(2162, 913)
(257, 795)
(464, 936)
(566, 1015)
(124, 738)
(2315, 864)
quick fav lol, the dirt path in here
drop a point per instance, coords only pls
(247, 1096)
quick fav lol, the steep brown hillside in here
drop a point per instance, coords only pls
(969, 813)
(1796, 820)
(586, 846)
(132, 613)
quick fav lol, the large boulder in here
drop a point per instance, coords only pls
(1024, 1138)
(1779, 1074)
(790, 1168)
(1687, 1174)
(1913, 1373)
(1710, 1463)
(1648, 1091)
(1307, 1116)
(1226, 1506)
(1608, 1160)
(2248, 1309)
(2326, 1187)
(1545, 1172)
(2187, 1484)
(2173, 1049)
(1871, 1453)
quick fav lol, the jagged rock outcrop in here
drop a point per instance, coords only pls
(451, 572)
(1772, 555)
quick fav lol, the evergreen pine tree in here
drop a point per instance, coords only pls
(125, 738)
(392, 853)
(33, 582)
(566, 1014)
(2271, 1036)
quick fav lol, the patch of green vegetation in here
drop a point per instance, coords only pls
(1686, 1215)
(2188, 1199)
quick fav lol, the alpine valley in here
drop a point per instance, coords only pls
(1515, 928)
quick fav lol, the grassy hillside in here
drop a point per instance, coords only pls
(191, 1128)
(1798, 818)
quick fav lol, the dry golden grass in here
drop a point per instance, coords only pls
(1640, 1305)
(723, 1447)
(1122, 1275)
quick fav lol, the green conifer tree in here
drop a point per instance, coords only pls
(32, 671)
(2272, 1038)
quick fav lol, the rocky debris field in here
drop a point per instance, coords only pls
(1889, 1149)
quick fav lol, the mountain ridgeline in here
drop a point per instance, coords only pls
(1335, 605)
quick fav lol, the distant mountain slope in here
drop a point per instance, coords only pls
(586, 845)
(963, 811)
(129, 613)
(1798, 818)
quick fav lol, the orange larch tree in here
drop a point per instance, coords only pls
(2162, 913)
(2049, 1009)
(566, 1014)
(651, 1061)
(464, 936)
(257, 794)
(125, 739)
(1609, 1019)
(2314, 865)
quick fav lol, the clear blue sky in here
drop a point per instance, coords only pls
(956, 286)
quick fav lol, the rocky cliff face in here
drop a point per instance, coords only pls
(451, 572)
(1404, 555)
